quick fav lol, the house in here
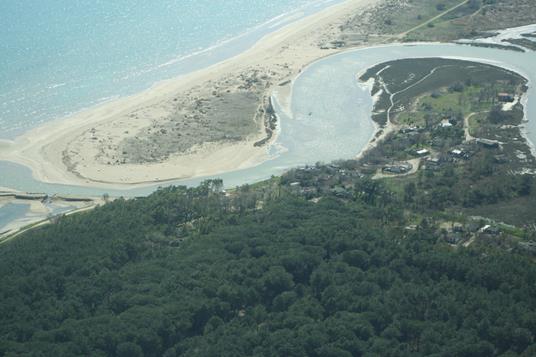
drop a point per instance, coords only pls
(493, 230)
(456, 152)
(506, 97)
(446, 124)
(488, 229)
(422, 152)
(397, 169)
(411, 129)
(459, 154)
(453, 237)
(457, 227)
(432, 163)
(487, 143)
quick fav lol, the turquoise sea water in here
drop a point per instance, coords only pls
(60, 56)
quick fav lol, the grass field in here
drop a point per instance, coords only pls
(420, 11)
(473, 18)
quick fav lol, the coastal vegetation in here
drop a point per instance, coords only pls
(435, 20)
(263, 271)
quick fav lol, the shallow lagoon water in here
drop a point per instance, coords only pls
(330, 114)
(16, 214)
(12, 212)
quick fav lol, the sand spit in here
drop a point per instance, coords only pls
(131, 141)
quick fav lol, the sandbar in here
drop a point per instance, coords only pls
(88, 148)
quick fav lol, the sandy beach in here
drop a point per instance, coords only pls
(94, 147)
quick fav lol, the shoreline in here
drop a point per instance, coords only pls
(42, 148)
(232, 44)
(523, 127)
(296, 45)
(39, 213)
(380, 132)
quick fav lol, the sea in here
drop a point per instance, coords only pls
(58, 57)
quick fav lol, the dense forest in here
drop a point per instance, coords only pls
(261, 272)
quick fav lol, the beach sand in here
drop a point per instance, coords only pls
(88, 148)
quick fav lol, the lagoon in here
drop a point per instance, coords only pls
(330, 116)
(12, 212)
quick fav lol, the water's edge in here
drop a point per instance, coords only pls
(330, 114)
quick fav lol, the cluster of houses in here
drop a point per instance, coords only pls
(311, 181)
(339, 179)
(433, 161)
(457, 233)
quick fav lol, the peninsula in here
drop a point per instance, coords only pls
(211, 121)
